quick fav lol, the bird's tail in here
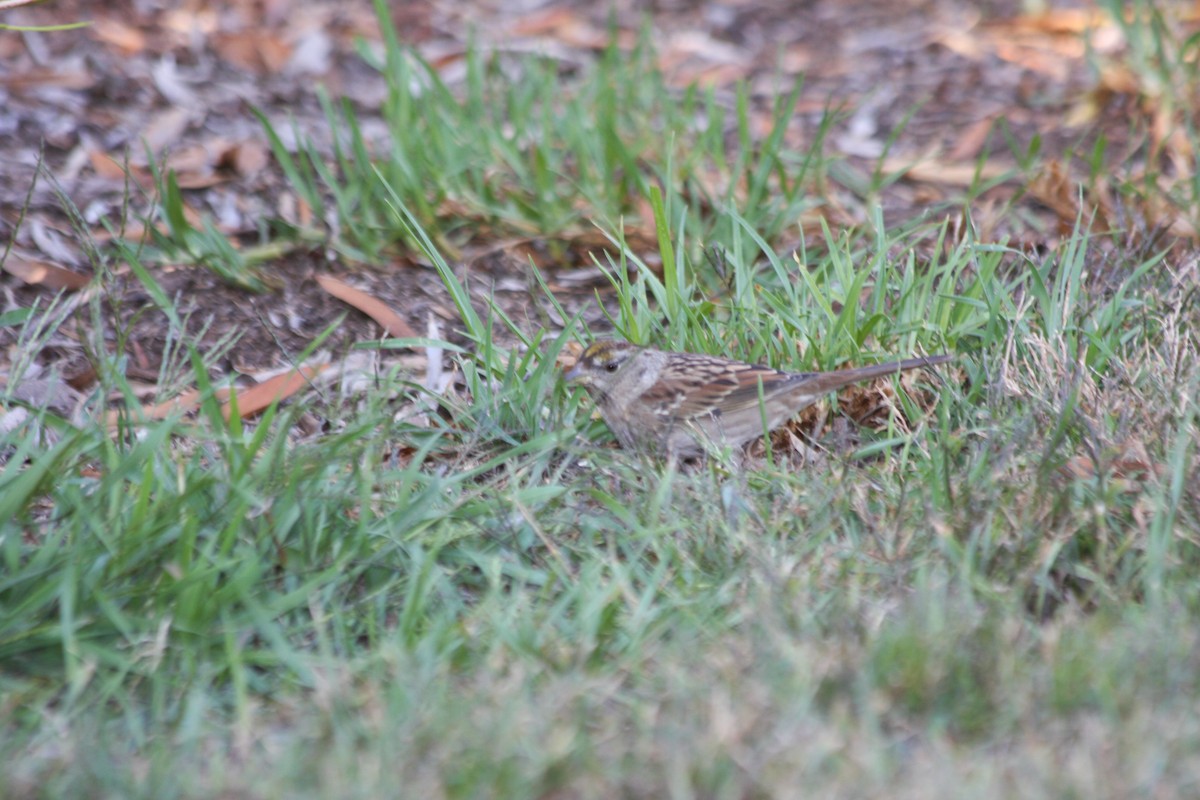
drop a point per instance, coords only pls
(821, 382)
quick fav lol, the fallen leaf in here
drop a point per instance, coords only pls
(1055, 189)
(1059, 21)
(166, 128)
(20, 80)
(244, 158)
(39, 273)
(253, 51)
(566, 26)
(1128, 462)
(932, 170)
(183, 404)
(374, 308)
(569, 355)
(257, 398)
(126, 39)
(971, 139)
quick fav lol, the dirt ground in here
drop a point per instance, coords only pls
(183, 78)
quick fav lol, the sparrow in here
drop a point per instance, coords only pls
(681, 404)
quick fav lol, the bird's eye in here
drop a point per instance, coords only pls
(611, 366)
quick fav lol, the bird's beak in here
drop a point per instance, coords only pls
(574, 374)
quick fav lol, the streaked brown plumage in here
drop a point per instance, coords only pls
(677, 403)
